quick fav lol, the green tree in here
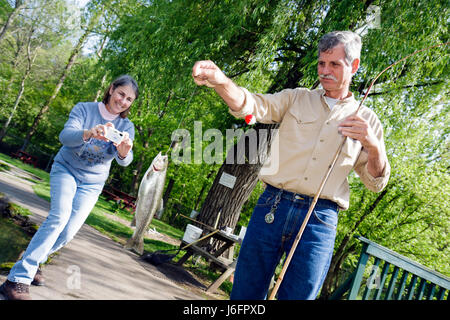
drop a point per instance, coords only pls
(93, 20)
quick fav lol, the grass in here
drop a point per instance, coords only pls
(13, 238)
(117, 231)
(114, 229)
(41, 174)
(4, 167)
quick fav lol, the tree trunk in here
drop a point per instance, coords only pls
(102, 83)
(22, 86)
(72, 58)
(18, 98)
(15, 62)
(229, 201)
(100, 89)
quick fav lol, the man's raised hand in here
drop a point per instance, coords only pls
(207, 73)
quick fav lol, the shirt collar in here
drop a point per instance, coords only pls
(105, 113)
(350, 99)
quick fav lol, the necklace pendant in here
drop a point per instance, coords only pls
(269, 217)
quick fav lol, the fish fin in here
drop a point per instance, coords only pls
(160, 211)
(140, 247)
(135, 245)
(129, 243)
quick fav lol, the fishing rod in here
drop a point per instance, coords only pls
(196, 221)
(327, 174)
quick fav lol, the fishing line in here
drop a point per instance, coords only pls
(182, 117)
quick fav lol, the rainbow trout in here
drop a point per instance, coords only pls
(149, 201)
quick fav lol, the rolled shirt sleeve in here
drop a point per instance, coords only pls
(72, 133)
(379, 183)
(373, 184)
(267, 108)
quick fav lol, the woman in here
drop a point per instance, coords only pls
(78, 174)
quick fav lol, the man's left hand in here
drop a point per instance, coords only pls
(359, 129)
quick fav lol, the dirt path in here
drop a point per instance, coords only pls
(92, 266)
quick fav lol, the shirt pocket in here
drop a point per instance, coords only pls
(300, 127)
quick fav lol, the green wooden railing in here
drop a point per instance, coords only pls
(392, 277)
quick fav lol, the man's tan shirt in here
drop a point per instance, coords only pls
(309, 139)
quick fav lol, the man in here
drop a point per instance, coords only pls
(312, 123)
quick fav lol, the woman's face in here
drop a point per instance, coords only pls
(121, 99)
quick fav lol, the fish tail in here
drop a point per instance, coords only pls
(140, 247)
(129, 243)
(135, 244)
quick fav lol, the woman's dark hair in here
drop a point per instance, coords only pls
(123, 80)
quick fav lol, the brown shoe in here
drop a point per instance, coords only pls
(15, 290)
(38, 278)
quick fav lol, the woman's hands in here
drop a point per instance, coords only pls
(125, 146)
(98, 132)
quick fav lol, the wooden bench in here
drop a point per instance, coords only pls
(114, 194)
(25, 157)
(228, 266)
(416, 282)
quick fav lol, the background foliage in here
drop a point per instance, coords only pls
(264, 46)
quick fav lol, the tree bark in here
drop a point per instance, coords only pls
(229, 201)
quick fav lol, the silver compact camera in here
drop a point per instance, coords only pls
(114, 135)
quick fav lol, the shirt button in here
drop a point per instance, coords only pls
(314, 158)
(306, 178)
(321, 140)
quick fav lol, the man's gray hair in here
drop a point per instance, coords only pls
(350, 40)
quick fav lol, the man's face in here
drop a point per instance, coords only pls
(335, 73)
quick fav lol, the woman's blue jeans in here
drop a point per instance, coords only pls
(265, 243)
(71, 203)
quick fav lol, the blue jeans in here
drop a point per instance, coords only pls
(265, 243)
(71, 203)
